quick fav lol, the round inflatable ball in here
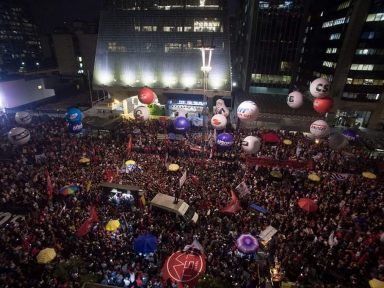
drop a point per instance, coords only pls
(74, 115)
(219, 121)
(319, 128)
(23, 118)
(141, 113)
(181, 124)
(19, 136)
(224, 140)
(251, 144)
(323, 105)
(146, 95)
(295, 99)
(319, 87)
(247, 111)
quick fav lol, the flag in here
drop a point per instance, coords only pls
(183, 178)
(211, 153)
(166, 161)
(340, 176)
(142, 201)
(129, 145)
(233, 206)
(49, 185)
(86, 226)
(108, 175)
(88, 186)
(242, 189)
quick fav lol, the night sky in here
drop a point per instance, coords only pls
(50, 14)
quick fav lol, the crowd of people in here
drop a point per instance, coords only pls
(339, 245)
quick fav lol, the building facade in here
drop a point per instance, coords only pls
(20, 48)
(157, 44)
(344, 42)
(271, 36)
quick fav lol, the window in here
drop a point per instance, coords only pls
(375, 17)
(137, 28)
(187, 29)
(207, 26)
(362, 67)
(343, 5)
(335, 36)
(149, 29)
(368, 35)
(349, 80)
(169, 29)
(335, 22)
(271, 79)
(329, 64)
(365, 51)
(172, 47)
(331, 50)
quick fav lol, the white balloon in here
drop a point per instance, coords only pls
(19, 136)
(23, 117)
(319, 87)
(221, 108)
(219, 121)
(141, 113)
(251, 144)
(295, 99)
(337, 141)
(247, 111)
(319, 128)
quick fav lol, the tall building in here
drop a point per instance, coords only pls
(20, 48)
(271, 37)
(344, 42)
(157, 43)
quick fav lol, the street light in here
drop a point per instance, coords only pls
(206, 57)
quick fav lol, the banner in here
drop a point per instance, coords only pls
(340, 176)
(242, 189)
(183, 178)
(233, 206)
(129, 145)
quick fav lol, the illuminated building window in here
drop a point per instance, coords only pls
(285, 66)
(149, 29)
(335, 22)
(344, 5)
(206, 26)
(365, 51)
(362, 67)
(173, 47)
(349, 80)
(335, 36)
(331, 50)
(271, 79)
(375, 17)
(169, 29)
(137, 28)
(113, 47)
(329, 64)
(188, 29)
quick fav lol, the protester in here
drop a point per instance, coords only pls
(339, 245)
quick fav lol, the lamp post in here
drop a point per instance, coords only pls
(206, 56)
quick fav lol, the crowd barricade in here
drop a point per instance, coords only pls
(269, 162)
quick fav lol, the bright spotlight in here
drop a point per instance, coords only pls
(148, 78)
(104, 77)
(188, 80)
(128, 77)
(169, 80)
(216, 81)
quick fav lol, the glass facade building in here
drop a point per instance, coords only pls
(20, 48)
(156, 44)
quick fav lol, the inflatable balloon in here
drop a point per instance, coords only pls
(323, 105)
(295, 99)
(319, 128)
(75, 127)
(219, 121)
(319, 87)
(224, 140)
(221, 108)
(247, 111)
(146, 95)
(251, 144)
(141, 113)
(181, 124)
(19, 136)
(337, 141)
(23, 118)
(350, 134)
(74, 115)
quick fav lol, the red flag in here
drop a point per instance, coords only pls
(108, 176)
(233, 206)
(49, 185)
(86, 226)
(129, 145)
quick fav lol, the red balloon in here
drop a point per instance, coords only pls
(323, 105)
(146, 95)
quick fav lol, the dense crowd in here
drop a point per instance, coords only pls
(339, 245)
